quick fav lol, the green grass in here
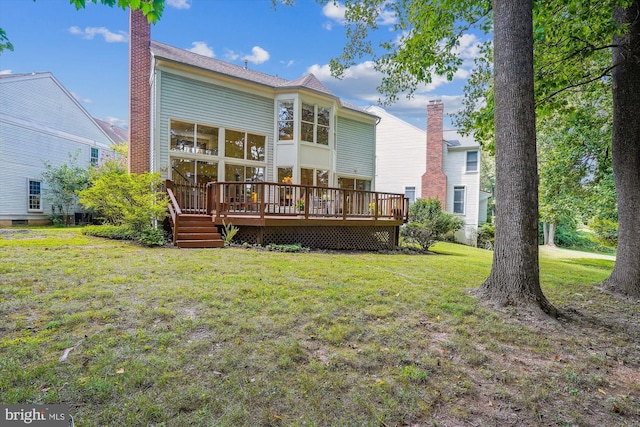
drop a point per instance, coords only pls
(239, 336)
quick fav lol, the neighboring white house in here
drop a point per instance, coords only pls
(40, 121)
(437, 163)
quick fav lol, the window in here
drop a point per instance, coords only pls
(35, 196)
(285, 120)
(354, 184)
(193, 138)
(458, 200)
(472, 161)
(94, 156)
(410, 193)
(193, 172)
(243, 173)
(321, 177)
(285, 175)
(242, 145)
(314, 124)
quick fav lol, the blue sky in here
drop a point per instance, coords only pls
(87, 50)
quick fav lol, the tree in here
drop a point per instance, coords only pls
(152, 9)
(62, 184)
(431, 32)
(515, 278)
(625, 277)
(572, 41)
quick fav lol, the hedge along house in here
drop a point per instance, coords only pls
(446, 167)
(304, 158)
(40, 121)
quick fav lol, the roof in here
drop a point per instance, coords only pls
(308, 81)
(117, 134)
(454, 140)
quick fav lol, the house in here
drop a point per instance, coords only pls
(438, 164)
(198, 120)
(40, 121)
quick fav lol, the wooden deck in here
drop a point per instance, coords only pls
(286, 213)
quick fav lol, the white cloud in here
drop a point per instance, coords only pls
(81, 100)
(258, 55)
(335, 11)
(469, 48)
(5, 71)
(90, 32)
(179, 4)
(201, 48)
(122, 123)
(288, 63)
(360, 81)
(231, 55)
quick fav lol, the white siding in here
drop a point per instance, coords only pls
(401, 150)
(455, 168)
(39, 121)
(355, 148)
(207, 103)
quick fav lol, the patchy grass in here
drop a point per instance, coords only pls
(243, 337)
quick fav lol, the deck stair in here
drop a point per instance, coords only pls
(197, 231)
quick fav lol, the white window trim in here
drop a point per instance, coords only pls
(464, 200)
(29, 181)
(466, 161)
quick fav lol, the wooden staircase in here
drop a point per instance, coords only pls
(196, 231)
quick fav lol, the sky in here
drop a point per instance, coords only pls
(87, 50)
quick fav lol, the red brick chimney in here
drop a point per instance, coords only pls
(139, 93)
(434, 181)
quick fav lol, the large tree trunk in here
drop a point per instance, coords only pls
(515, 275)
(625, 277)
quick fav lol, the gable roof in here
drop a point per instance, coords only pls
(117, 134)
(308, 81)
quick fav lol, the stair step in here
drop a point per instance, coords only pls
(198, 236)
(200, 243)
(201, 229)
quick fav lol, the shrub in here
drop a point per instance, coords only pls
(116, 232)
(605, 231)
(228, 232)
(295, 247)
(151, 236)
(119, 198)
(428, 224)
(486, 235)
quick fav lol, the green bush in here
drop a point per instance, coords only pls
(120, 198)
(428, 224)
(151, 236)
(605, 231)
(116, 232)
(296, 247)
(486, 235)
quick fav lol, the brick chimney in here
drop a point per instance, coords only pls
(139, 92)
(434, 181)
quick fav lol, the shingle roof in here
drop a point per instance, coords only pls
(308, 81)
(117, 134)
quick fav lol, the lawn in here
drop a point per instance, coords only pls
(131, 336)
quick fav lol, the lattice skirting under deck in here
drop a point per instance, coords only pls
(338, 238)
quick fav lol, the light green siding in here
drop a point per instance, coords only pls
(355, 146)
(193, 100)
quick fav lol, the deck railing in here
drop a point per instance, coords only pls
(269, 199)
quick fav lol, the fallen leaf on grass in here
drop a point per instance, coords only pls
(120, 371)
(65, 354)
(602, 392)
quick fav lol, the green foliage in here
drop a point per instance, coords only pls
(486, 235)
(428, 224)
(119, 198)
(605, 230)
(296, 247)
(61, 186)
(116, 232)
(228, 232)
(151, 236)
